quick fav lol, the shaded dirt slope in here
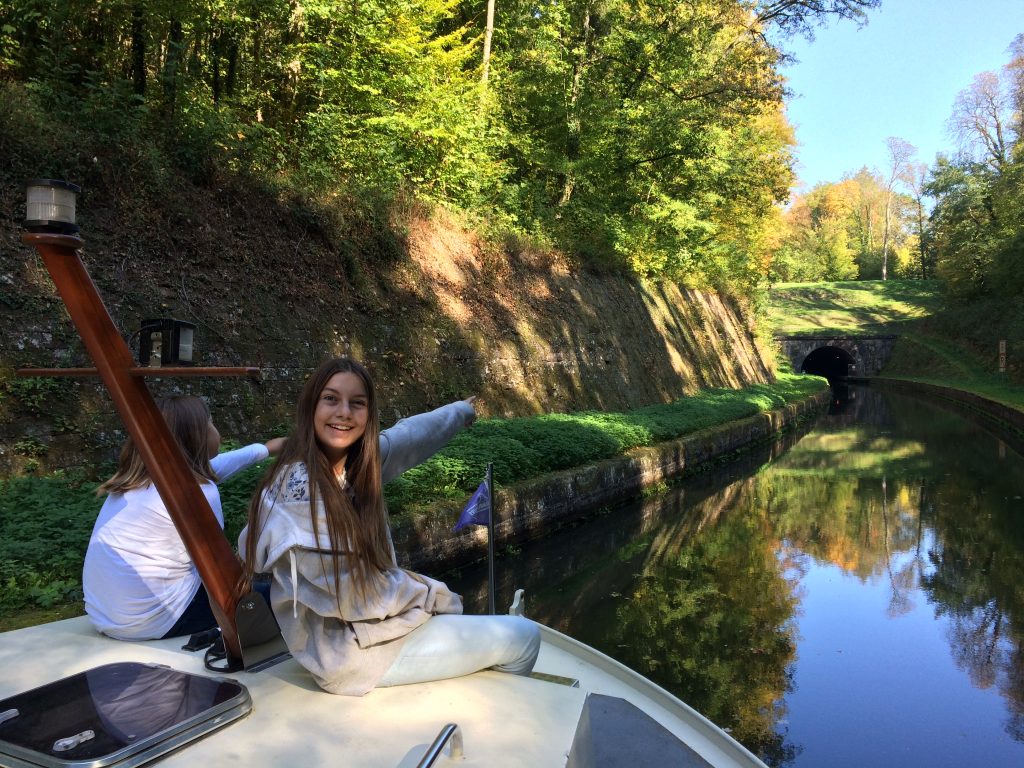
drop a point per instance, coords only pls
(435, 313)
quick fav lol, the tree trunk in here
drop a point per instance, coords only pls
(138, 50)
(885, 236)
(488, 33)
(215, 46)
(920, 239)
(232, 75)
(172, 65)
(574, 120)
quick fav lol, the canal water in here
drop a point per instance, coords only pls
(849, 596)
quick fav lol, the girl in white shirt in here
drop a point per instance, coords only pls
(138, 579)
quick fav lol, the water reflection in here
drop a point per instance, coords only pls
(864, 581)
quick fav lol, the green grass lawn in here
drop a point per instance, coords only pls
(920, 355)
(864, 307)
(951, 345)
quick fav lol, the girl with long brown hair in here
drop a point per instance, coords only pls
(318, 525)
(139, 581)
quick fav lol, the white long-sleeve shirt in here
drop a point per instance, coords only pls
(138, 578)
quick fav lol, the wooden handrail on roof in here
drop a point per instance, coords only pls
(190, 512)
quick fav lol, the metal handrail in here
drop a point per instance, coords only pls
(449, 732)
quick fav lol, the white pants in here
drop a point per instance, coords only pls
(455, 645)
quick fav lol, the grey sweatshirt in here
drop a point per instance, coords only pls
(348, 644)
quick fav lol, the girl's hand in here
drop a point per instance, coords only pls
(274, 445)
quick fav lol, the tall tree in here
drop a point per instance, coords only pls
(962, 222)
(916, 178)
(817, 245)
(901, 154)
(868, 219)
(978, 219)
(488, 35)
(979, 119)
(1015, 83)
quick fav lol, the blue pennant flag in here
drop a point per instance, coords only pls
(477, 509)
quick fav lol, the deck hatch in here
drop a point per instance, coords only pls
(124, 714)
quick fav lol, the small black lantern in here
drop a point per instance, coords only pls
(50, 206)
(165, 341)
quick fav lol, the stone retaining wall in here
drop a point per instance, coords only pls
(529, 509)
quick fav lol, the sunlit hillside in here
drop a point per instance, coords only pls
(949, 344)
(854, 307)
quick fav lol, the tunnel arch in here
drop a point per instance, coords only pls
(830, 361)
(868, 353)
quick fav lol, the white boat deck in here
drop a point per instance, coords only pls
(505, 720)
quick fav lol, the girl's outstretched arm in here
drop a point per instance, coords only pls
(228, 463)
(414, 440)
(274, 445)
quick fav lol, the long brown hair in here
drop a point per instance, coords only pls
(188, 418)
(357, 526)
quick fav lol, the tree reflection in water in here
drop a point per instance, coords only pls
(977, 568)
(701, 587)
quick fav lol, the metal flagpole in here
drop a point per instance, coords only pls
(490, 539)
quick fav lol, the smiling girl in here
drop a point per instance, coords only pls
(318, 524)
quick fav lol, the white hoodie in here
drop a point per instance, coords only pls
(348, 644)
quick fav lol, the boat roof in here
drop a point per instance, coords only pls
(505, 719)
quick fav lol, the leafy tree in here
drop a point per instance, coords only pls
(645, 136)
(977, 225)
(868, 218)
(916, 178)
(837, 231)
(642, 127)
(960, 222)
(817, 246)
(901, 154)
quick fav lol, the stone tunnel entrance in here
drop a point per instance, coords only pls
(836, 357)
(831, 362)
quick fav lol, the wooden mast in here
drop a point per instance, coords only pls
(189, 510)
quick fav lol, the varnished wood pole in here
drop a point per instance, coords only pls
(177, 371)
(190, 512)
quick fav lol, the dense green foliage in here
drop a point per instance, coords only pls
(641, 135)
(979, 227)
(837, 231)
(45, 521)
(44, 528)
(534, 445)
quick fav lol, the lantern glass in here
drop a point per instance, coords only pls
(50, 206)
(166, 341)
(185, 334)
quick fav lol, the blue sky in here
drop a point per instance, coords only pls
(896, 76)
